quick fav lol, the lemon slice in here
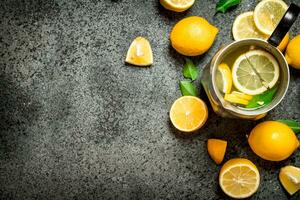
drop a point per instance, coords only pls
(177, 5)
(254, 72)
(224, 78)
(188, 113)
(140, 52)
(242, 95)
(244, 27)
(267, 15)
(289, 177)
(239, 178)
(232, 98)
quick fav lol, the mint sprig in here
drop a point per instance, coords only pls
(187, 88)
(262, 99)
(295, 126)
(224, 5)
(189, 70)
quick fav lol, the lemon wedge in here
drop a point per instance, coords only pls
(239, 178)
(224, 78)
(289, 177)
(216, 149)
(267, 15)
(254, 72)
(244, 27)
(140, 52)
(177, 5)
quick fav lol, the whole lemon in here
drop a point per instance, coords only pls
(284, 42)
(293, 51)
(272, 140)
(193, 36)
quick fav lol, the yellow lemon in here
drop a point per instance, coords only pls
(272, 140)
(239, 178)
(193, 36)
(177, 5)
(284, 42)
(289, 177)
(216, 149)
(140, 52)
(293, 51)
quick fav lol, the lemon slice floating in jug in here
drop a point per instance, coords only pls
(224, 78)
(255, 72)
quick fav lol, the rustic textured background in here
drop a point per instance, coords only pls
(77, 123)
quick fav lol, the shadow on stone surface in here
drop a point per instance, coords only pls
(17, 112)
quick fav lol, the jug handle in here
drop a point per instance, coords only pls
(284, 25)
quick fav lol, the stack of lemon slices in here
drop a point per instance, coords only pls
(261, 22)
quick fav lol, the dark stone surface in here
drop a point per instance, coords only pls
(77, 123)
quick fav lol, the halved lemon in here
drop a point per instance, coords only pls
(267, 15)
(140, 52)
(254, 72)
(239, 178)
(224, 78)
(177, 5)
(289, 177)
(244, 27)
(188, 113)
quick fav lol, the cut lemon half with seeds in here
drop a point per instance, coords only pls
(224, 78)
(188, 113)
(289, 177)
(140, 52)
(177, 5)
(267, 15)
(254, 72)
(239, 178)
(244, 27)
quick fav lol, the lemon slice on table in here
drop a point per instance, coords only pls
(244, 27)
(289, 177)
(224, 78)
(177, 5)
(140, 52)
(239, 178)
(254, 72)
(188, 113)
(267, 15)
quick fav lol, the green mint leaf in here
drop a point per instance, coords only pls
(262, 99)
(189, 70)
(224, 5)
(295, 126)
(187, 88)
